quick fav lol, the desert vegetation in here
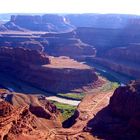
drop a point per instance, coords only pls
(77, 96)
(66, 110)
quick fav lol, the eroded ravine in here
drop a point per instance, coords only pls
(87, 109)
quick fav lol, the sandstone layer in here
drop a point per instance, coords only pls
(47, 23)
(27, 117)
(56, 44)
(48, 73)
(68, 44)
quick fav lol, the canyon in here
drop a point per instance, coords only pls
(47, 57)
(68, 44)
(96, 35)
(116, 49)
(53, 74)
(98, 116)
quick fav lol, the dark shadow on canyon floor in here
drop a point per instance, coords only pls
(13, 84)
(108, 126)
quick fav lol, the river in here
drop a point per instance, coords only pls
(110, 74)
(19, 86)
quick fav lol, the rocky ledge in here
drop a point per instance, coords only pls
(65, 43)
(47, 23)
(27, 117)
(59, 74)
(68, 44)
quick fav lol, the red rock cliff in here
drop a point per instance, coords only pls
(27, 118)
(61, 75)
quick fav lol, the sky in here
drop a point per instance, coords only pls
(70, 6)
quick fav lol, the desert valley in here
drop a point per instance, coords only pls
(69, 77)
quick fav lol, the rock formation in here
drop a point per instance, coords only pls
(103, 39)
(23, 55)
(2, 28)
(56, 44)
(127, 54)
(25, 40)
(117, 49)
(125, 101)
(120, 119)
(67, 44)
(49, 73)
(113, 21)
(47, 23)
(24, 119)
(127, 68)
(104, 115)
(100, 117)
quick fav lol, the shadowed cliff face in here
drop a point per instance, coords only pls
(117, 49)
(2, 28)
(67, 44)
(48, 73)
(120, 119)
(104, 39)
(113, 21)
(23, 55)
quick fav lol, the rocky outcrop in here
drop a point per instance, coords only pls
(5, 109)
(47, 23)
(22, 55)
(104, 39)
(25, 40)
(104, 115)
(48, 73)
(2, 28)
(125, 101)
(56, 44)
(67, 44)
(19, 121)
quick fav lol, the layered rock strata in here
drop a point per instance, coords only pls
(48, 73)
(29, 117)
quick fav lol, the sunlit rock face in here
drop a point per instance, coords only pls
(48, 22)
(27, 117)
(22, 55)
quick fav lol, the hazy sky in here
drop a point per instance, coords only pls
(70, 6)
